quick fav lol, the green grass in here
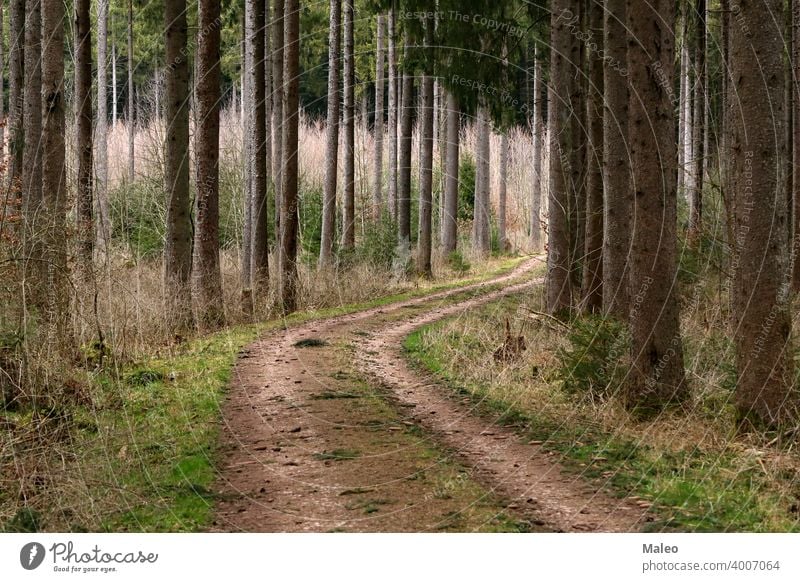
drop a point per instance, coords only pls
(691, 489)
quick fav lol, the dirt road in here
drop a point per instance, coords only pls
(327, 428)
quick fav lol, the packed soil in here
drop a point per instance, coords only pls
(327, 427)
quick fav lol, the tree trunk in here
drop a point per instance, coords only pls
(425, 238)
(482, 240)
(131, 102)
(291, 100)
(683, 96)
(577, 155)
(102, 208)
(688, 119)
(564, 50)
(539, 99)
(657, 376)
(759, 301)
(348, 226)
(54, 191)
(332, 137)
(377, 187)
(16, 68)
(795, 206)
(113, 85)
(178, 239)
(450, 218)
(698, 127)
(83, 135)
(616, 166)
(502, 195)
(247, 206)
(404, 163)
(394, 102)
(206, 268)
(277, 110)
(592, 286)
(257, 133)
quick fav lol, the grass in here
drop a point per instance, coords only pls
(695, 479)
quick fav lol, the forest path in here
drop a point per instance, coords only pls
(327, 428)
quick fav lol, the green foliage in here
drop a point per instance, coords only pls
(458, 263)
(26, 520)
(466, 187)
(592, 365)
(379, 247)
(310, 208)
(138, 216)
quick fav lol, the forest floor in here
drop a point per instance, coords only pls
(327, 427)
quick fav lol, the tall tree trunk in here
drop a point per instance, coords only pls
(682, 99)
(592, 285)
(759, 301)
(31, 191)
(291, 101)
(377, 187)
(332, 137)
(348, 226)
(688, 109)
(657, 376)
(2, 85)
(114, 96)
(257, 133)
(83, 134)
(16, 67)
(277, 110)
(131, 100)
(102, 208)
(699, 126)
(425, 238)
(502, 195)
(178, 243)
(482, 211)
(206, 269)
(394, 103)
(795, 205)
(268, 90)
(539, 98)
(616, 165)
(577, 161)
(247, 210)
(404, 163)
(564, 51)
(450, 217)
(54, 191)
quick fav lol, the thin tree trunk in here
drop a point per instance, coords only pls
(657, 377)
(688, 110)
(54, 191)
(592, 286)
(425, 237)
(377, 187)
(83, 134)
(404, 163)
(131, 103)
(332, 137)
(114, 96)
(102, 208)
(560, 109)
(348, 226)
(502, 195)
(616, 166)
(206, 269)
(178, 243)
(539, 98)
(759, 301)
(277, 109)
(698, 128)
(267, 29)
(577, 156)
(481, 215)
(795, 92)
(291, 100)
(2, 86)
(682, 100)
(16, 68)
(247, 211)
(450, 217)
(394, 103)
(257, 126)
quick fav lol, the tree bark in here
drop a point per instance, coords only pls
(481, 217)
(257, 132)
(178, 243)
(206, 269)
(247, 206)
(616, 165)
(795, 205)
(592, 286)
(348, 226)
(16, 68)
(656, 378)
(502, 195)
(114, 96)
(563, 53)
(425, 238)
(538, 101)
(277, 110)
(377, 186)
(759, 300)
(332, 137)
(131, 101)
(404, 163)
(291, 100)
(102, 207)
(83, 135)
(450, 218)
(394, 103)
(698, 126)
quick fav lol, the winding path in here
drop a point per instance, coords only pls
(327, 428)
